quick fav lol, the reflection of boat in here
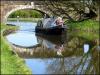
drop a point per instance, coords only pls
(48, 26)
(57, 30)
(58, 39)
(10, 24)
(48, 46)
(55, 43)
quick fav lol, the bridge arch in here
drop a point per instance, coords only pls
(40, 9)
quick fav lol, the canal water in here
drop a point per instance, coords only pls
(73, 52)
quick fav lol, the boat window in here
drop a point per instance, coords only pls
(39, 23)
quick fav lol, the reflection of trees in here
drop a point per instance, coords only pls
(56, 66)
(95, 59)
(86, 64)
(83, 66)
(89, 64)
(74, 10)
(73, 47)
(62, 65)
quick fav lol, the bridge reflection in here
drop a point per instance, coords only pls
(47, 47)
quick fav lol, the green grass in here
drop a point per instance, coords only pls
(24, 19)
(86, 25)
(87, 29)
(25, 13)
(10, 63)
(90, 36)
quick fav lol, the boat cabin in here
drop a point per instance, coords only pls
(50, 26)
(50, 22)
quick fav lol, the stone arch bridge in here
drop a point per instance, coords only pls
(6, 10)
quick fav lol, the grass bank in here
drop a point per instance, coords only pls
(24, 19)
(86, 25)
(88, 29)
(10, 62)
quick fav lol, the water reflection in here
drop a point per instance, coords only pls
(24, 36)
(22, 39)
(53, 42)
(86, 48)
(40, 46)
(64, 54)
(69, 65)
(36, 69)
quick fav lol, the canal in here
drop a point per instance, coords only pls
(68, 53)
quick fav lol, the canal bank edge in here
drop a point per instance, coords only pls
(10, 63)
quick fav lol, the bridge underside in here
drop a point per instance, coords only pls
(7, 10)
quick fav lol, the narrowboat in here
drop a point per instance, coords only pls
(49, 27)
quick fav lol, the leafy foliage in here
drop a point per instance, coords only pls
(74, 10)
(26, 14)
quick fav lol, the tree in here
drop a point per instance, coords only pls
(74, 10)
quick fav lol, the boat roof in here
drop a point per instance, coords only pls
(48, 22)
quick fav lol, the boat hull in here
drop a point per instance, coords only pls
(50, 31)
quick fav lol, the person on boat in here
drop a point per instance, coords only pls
(52, 21)
(59, 21)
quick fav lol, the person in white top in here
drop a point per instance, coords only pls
(59, 21)
(51, 22)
